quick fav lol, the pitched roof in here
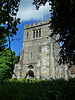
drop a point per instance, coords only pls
(73, 70)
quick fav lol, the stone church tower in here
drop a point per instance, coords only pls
(40, 54)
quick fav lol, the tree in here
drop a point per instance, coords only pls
(8, 28)
(8, 21)
(6, 69)
(62, 23)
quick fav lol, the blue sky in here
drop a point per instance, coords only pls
(28, 14)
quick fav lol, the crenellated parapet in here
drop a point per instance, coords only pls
(37, 24)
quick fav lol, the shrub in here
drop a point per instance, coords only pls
(24, 89)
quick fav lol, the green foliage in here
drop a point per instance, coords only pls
(7, 63)
(62, 23)
(8, 21)
(22, 89)
(8, 28)
(17, 59)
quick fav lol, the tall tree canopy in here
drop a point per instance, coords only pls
(6, 69)
(62, 23)
(8, 28)
(8, 20)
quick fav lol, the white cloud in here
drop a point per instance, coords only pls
(27, 11)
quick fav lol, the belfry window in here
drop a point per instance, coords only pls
(37, 34)
(33, 34)
(27, 35)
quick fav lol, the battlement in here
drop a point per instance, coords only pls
(37, 24)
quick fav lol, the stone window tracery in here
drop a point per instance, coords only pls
(37, 33)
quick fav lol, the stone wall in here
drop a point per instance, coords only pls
(40, 54)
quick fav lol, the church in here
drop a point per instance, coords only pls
(40, 54)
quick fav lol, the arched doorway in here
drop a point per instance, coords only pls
(31, 74)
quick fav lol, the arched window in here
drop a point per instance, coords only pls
(30, 67)
(31, 54)
(33, 34)
(39, 32)
(27, 35)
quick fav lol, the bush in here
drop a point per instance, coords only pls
(27, 89)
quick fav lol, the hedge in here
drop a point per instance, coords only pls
(25, 89)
